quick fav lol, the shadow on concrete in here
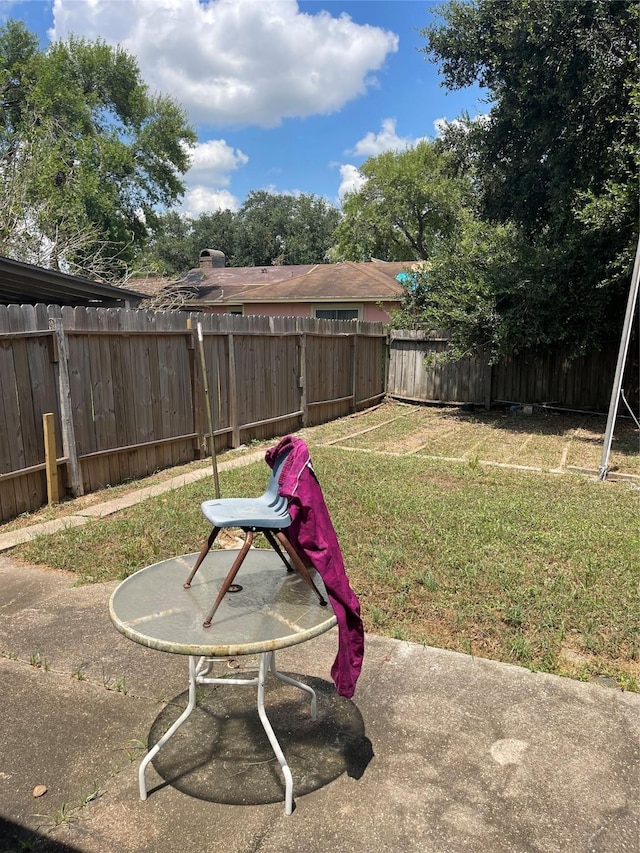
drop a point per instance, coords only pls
(18, 839)
(221, 753)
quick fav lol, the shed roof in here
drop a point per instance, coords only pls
(22, 283)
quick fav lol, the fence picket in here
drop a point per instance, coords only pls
(528, 378)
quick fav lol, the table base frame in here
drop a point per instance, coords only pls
(199, 669)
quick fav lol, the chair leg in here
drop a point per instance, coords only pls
(203, 553)
(271, 539)
(233, 571)
(300, 566)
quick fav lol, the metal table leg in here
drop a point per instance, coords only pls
(266, 663)
(199, 674)
(191, 704)
(298, 684)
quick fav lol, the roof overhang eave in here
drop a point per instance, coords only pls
(302, 300)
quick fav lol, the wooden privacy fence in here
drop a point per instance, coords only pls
(127, 393)
(527, 378)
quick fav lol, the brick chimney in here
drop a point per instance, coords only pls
(211, 259)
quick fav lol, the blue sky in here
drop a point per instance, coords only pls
(285, 95)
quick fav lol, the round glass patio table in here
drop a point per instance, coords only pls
(270, 609)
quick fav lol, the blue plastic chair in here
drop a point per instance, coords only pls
(267, 514)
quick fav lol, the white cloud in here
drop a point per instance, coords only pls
(441, 124)
(213, 160)
(237, 62)
(200, 199)
(386, 140)
(351, 180)
(211, 163)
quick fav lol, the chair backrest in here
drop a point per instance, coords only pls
(271, 492)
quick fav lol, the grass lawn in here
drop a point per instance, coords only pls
(536, 569)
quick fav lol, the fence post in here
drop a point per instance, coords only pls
(66, 416)
(488, 378)
(233, 392)
(196, 391)
(50, 457)
(302, 377)
(353, 365)
(386, 362)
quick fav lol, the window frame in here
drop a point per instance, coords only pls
(337, 306)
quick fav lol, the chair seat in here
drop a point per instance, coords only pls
(247, 512)
(269, 515)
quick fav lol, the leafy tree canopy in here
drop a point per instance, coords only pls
(93, 153)
(410, 200)
(284, 229)
(561, 78)
(554, 164)
(495, 292)
(268, 229)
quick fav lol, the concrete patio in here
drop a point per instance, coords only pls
(438, 751)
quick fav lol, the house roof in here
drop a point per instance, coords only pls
(150, 285)
(27, 284)
(250, 276)
(348, 281)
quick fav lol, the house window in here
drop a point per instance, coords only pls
(234, 309)
(336, 313)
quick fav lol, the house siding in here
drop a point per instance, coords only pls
(371, 312)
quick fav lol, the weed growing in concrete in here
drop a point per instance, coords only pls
(135, 749)
(64, 816)
(78, 672)
(37, 661)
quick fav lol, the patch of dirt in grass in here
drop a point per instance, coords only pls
(546, 439)
(354, 423)
(581, 664)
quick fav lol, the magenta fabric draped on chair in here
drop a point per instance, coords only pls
(313, 536)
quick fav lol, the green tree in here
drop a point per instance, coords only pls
(486, 289)
(169, 250)
(284, 229)
(100, 154)
(216, 230)
(177, 240)
(268, 229)
(409, 202)
(557, 157)
(311, 230)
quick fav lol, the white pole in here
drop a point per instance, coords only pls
(622, 358)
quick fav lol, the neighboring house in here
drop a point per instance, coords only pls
(344, 291)
(25, 284)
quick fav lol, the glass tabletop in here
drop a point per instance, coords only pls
(271, 610)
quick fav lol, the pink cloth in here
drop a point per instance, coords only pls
(312, 535)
